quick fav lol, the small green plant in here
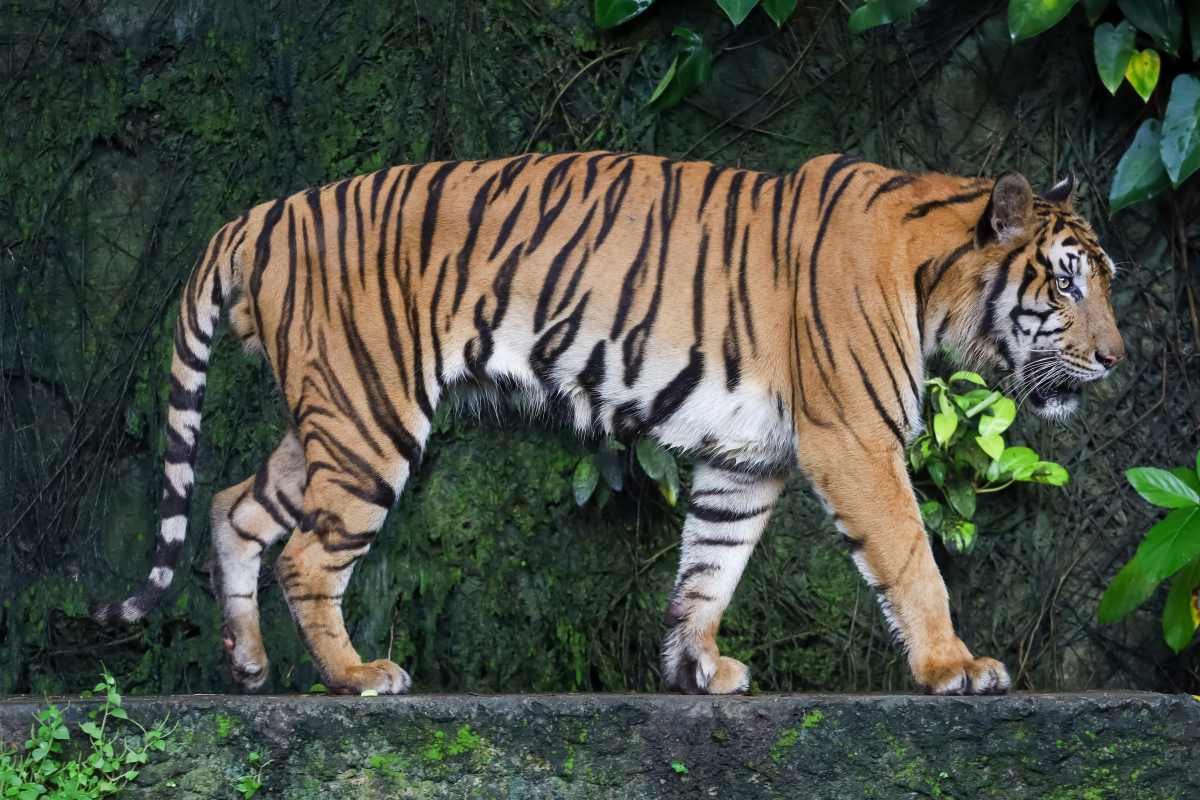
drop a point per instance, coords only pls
(43, 772)
(249, 784)
(657, 462)
(1171, 548)
(963, 455)
(679, 766)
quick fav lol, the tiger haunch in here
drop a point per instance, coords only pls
(757, 322)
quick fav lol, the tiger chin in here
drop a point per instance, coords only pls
(759, 323)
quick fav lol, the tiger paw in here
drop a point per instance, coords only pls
(380, 676)
(247, 659)
(980, 676)
(707, 675)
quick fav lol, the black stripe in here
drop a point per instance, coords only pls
(744, 293)
(882, 357)
(548, 216)
(614, 198)
(732, 198)
(812, 268)
(385, 295)
(707, 514)
(708, 541)
(288, 311)
(376, 185)
(924, 208)
(890, 185)
(710, 180)
(261, 480)
(262, 255)
(631, 277)
(185, 399)
(556, 341)
(509, 221)
(463, 261)
(895, 429)
(836, 166)
(432, 202)
(557, 264)
(313, 196)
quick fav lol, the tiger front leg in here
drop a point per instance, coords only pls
(728, 513)
(342, 514)
(247, 519)
(874, 507)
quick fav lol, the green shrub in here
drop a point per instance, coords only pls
(105, 763)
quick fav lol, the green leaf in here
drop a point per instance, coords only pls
(1180, 146)
(614, 12)
(967, 376)
(961, 495)
(650, 456)
(937, 469)
(881, 12)
(1162, 488)
(1180, 616)
(119, 713)
(958, 535)
(737, 9)
(373, 692)
(1159, 18)
(932, 514)
(920, 452)
(1016, 458)
(1127, 591)
(1142, 72)
(587, 475)
(688, 35)
(1030, 17)
(1094, 8)
(666, 80)
(1171, 543)
(1140, 173)
(1044, 472)
(779, 10)
(669, 485)
(1114, 47)
(992, 444)
(690, 69)
(944, 426)
(317, 688)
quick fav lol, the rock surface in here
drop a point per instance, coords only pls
(1093, 745)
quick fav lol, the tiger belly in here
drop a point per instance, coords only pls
(747, 427)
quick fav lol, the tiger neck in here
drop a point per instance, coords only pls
(951, 286)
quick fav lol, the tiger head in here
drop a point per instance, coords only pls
(1045, 317)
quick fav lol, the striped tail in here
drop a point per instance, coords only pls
(208, 286)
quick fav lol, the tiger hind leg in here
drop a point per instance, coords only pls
(343, 510)
(247, 519)
(728, 513)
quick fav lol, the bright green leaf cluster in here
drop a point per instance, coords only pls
(1171, 548)
(965, 455)
(588, 471)
(881, 12)
(43, 773)
(689, 69)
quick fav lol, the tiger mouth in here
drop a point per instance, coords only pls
(1054, 393)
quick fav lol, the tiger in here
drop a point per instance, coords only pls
(755, 322)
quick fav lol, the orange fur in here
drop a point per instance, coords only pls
(758, 322)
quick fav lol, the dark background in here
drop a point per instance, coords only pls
(131, 129)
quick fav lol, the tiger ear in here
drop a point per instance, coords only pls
(1007, 212)
(1063, 193)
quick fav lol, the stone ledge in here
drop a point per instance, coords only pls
(1124, 745)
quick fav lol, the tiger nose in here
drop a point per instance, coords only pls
(1110, 358)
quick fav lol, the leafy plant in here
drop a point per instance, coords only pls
(692, 66)
(657, 462)
(43, 772)
(1163, 154)
(964, 455)
(249, 784)
(1171, 548)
